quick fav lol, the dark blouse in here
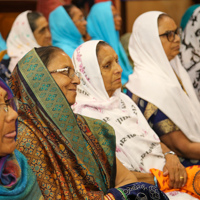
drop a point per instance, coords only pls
(158, 121)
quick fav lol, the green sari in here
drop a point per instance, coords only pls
(73, 156)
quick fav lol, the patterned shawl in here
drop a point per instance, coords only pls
(100, 25)
(20, 39)
(65, 34)
(190, 47)
(72, 156)
(17, 180)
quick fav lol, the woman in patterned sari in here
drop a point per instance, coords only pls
(17, 180)
(73, 156)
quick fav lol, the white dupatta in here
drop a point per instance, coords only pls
(138, 147)
(155, 81)
(20, 40)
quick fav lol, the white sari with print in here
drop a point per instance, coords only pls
(138, 147)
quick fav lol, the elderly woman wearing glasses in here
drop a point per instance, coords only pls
(17, 181)
(72, 156)
(68, 28)
(161, 87)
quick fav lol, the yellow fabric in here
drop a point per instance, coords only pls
(2, 54)
(192, 186)
(109, 196)
(166, 126)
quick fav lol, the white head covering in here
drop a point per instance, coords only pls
(20, 40)
(155, 81)
(190, 49)
(138, 147)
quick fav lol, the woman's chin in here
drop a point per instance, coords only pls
(8, 149)
(71, 101)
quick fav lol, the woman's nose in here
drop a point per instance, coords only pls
(48, 33)
(118, 69)
(11, 115)
(177, 38)
(84, 22)
(76, 80)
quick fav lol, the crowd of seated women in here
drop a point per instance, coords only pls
(79, 123)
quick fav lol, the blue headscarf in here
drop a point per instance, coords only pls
(187, 15)
(64, 33)
(100, 26)
(3, 46)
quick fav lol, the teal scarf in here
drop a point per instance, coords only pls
(65, 34)
(187, 15)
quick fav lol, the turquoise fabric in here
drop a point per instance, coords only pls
(3, 46)
(64, 33)
(100, 26)
(187, 15)
(26, 186)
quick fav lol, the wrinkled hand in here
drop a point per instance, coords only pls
(175, 170)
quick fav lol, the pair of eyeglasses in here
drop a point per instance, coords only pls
(68, 71)
(171, 34)
(116, 15)
(80, 20)
(13, 103)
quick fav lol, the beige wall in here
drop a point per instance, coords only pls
(175, 8)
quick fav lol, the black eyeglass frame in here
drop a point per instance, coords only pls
(178, 32)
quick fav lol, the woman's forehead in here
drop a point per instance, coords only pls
(167, 23)
(60, 60)
(105, 50)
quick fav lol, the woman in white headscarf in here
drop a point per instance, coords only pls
(190, 48)
(99, 96)
(29, 30)
(161, 85)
